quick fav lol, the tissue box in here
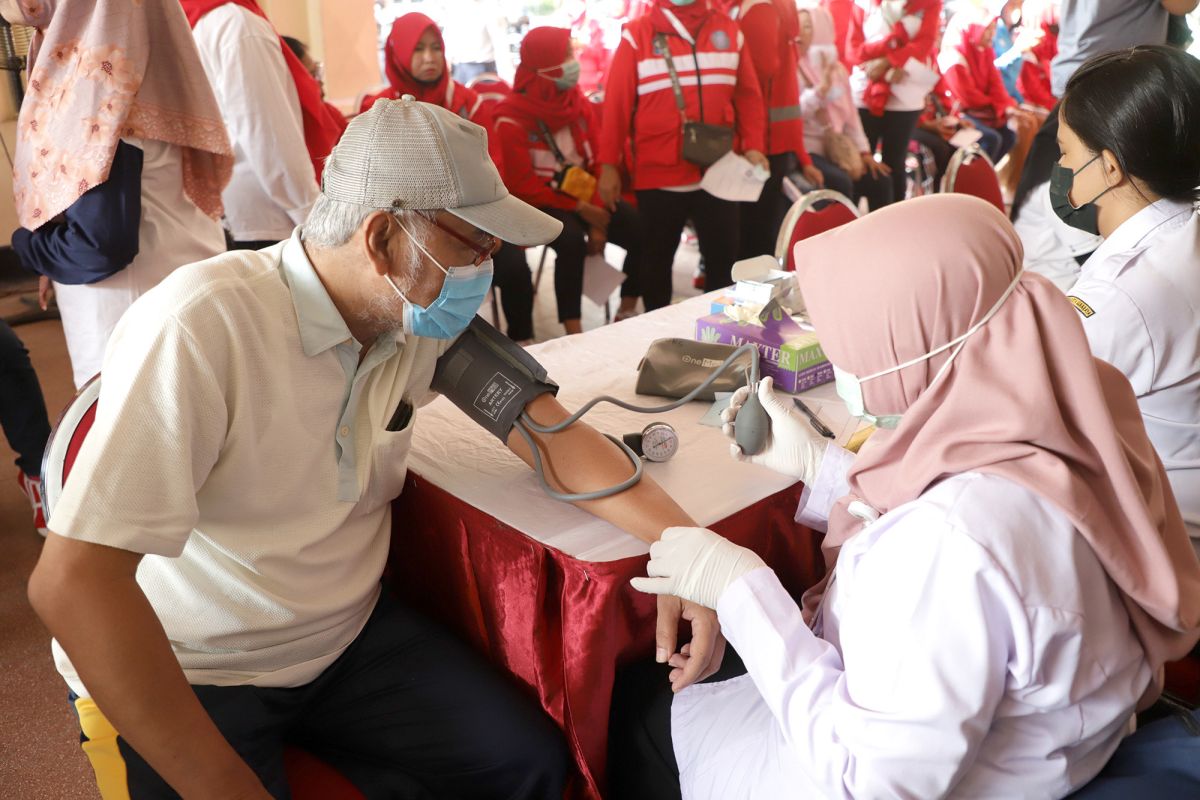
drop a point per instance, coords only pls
(787, 352)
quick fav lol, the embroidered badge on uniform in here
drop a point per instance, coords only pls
(720, 40)
(1081, 307)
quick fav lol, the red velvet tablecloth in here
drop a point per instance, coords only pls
(558, 625)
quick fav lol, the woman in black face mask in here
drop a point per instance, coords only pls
(1129, 131)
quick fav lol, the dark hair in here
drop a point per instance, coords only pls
(1143, 105)
(298, 48)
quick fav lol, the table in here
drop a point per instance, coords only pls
(541, 587)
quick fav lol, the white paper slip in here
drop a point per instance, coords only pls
(712, 418)
(734, 178)
(600, 279)
(965, 137)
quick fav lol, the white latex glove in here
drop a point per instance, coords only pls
(793, 447)
(695, 564)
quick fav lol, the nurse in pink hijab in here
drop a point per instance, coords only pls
(1008, 567)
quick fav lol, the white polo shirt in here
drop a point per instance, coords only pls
(240, 445)
(1139, 299)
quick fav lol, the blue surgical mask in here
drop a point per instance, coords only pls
(455, 306)
(1082, 217)
(849, 386)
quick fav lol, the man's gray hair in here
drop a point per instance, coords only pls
(331, 223)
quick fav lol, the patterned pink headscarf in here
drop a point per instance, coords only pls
(1024, 399)
(100, 70)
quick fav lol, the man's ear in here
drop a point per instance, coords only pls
(378, 229)
(1113, 174)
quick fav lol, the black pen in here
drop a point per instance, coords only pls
(818, 426)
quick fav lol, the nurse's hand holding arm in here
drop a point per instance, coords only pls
(695, 564)
(793, 447)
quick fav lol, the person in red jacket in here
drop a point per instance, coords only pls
(719, 88)
(842, 11)
(1034, 78)
(884, 37)
(547, 132)
(415, 64)
(968, 66)
(772, 29)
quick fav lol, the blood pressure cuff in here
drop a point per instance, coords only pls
(490, 378)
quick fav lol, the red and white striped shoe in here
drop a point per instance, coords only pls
(31, 487)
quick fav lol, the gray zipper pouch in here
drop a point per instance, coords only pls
(674, 367)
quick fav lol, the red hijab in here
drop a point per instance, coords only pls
(398, 54)
(692, 17)
(323, 125)
(980, 60)
(534, 96)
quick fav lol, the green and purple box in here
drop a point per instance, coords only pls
(787, 352)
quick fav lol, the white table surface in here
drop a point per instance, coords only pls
(452, 453)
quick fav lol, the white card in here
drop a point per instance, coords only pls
(600, 279)
(965, 137)
(734, 178)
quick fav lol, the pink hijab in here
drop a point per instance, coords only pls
(842, 111)
(100, 70)
(1024, 399)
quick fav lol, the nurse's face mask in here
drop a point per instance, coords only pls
(849, 386)
(1081, 217)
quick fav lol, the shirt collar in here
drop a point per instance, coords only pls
(1133, 231)
(321, 325)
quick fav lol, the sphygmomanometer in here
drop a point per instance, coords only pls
(492, 380)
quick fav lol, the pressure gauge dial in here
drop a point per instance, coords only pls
(659, 442)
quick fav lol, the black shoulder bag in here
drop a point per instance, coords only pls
(703, 144)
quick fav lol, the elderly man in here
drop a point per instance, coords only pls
(212, 578)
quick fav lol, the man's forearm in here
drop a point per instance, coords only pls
(88, 597)
(581, 459)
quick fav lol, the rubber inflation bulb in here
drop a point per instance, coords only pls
(751, 426)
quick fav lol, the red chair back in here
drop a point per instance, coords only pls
(491, 89)
(309, 777)
(971, 172)
(814, 213)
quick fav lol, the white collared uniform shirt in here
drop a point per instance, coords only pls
(1051, 245)
(1139, 299)
(241, 446)
(273, 185)
(972, 646)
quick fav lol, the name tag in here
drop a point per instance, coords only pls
(1081, 307)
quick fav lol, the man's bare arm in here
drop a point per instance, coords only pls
(581, 459)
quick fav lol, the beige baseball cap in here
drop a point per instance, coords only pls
(413, 155)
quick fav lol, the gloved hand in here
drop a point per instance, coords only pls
(695, 564)
(793, 447)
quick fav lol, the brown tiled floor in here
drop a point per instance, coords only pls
(40, 757)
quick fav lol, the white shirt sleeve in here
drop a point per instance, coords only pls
(1116, 330)
(830, 486)
(258, 101)
(925, 653)
(160, 424)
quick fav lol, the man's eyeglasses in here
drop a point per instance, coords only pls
(482, 251)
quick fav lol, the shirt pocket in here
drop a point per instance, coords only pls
(389, 465)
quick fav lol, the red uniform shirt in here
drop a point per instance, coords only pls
(639, 98)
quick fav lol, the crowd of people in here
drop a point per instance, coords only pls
(269, 287)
